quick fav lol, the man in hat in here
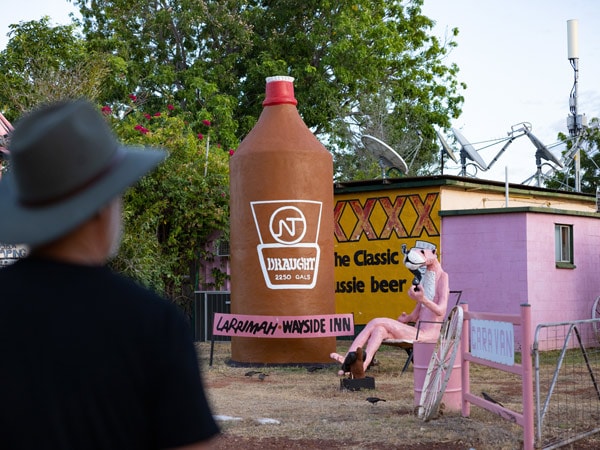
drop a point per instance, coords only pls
(430, 290)
(89, 359)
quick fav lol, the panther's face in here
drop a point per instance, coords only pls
(418, 257)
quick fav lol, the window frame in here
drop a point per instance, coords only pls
(564, 257)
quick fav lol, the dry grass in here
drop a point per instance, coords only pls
(311, 410)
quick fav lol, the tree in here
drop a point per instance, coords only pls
(344, 55)
(181, 50)
(589, 144)
(42, 63)
(360, 66)
(170, 213)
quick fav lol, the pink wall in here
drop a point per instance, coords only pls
(502, 260)
(486, 257)
(212, 261)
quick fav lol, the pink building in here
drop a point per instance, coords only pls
(5, 130)
(503, 258)
(510, 257)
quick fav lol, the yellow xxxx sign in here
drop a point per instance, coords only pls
(370, 277)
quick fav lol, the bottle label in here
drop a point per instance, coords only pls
(288, 251)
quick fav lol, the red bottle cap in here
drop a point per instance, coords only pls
(280, 90)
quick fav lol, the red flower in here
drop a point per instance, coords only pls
(170, 107)
(200, 136)
(147, 116)
(106, 110)
(141, 129)
(206, 122)
(157, 114)
(231, 152)
(133, 97)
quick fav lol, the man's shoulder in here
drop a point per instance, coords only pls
(95, 281)
(133, 292)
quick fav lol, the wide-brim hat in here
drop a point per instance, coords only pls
(65, 165)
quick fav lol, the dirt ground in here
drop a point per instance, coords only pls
(295, 408)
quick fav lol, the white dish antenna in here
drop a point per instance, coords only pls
(542, 151)
(468, 151)
(446, 148)
(387, 157)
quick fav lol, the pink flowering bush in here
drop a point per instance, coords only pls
(141, 129)
(170, 213)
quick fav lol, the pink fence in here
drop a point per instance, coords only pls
(524, 369)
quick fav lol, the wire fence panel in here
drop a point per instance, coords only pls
(566, 360)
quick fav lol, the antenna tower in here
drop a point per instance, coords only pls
(575, 121)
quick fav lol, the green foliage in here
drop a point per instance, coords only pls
(589, 162)
(183, 50)
(361, 67)
(42, 63)
(171, 212)
(346, 56)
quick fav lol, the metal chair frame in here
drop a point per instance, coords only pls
(407, 344)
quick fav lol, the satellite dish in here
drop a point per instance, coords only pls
(468, 151)
(446, 148)
(386, 155)
(542, 151)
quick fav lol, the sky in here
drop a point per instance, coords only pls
(512, 55)
(26, 10)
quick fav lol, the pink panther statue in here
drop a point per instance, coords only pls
(430, 289)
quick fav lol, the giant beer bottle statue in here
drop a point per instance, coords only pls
(281, 241)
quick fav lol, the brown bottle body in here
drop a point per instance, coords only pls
(281, 170)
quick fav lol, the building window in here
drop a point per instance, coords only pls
(563, 243)
(222, 247)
